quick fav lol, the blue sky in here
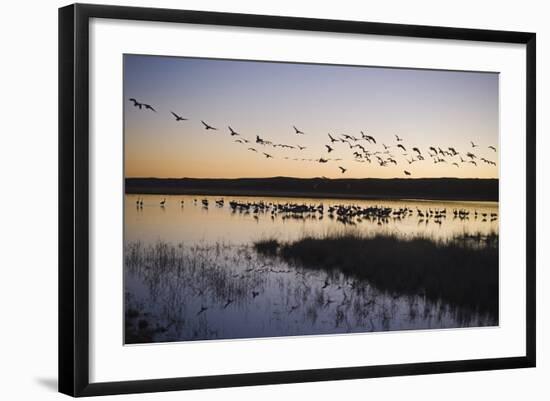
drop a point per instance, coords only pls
(424, 107)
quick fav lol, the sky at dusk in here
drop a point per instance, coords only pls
(423, 107)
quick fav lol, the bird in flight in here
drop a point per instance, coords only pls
(332, 140)
(148, 107)
(136, 103)
(492, 148)
(178, 118)
(358, 145)
(301, 147)
(321, 160)
(342, 169)
(207, 127)
(370, 138)
(397, 138)
(233, 133)
(473, 144)
(298, 131)
(329, 149)
(402, 147)
(252, 149)
(406, 172)
(267, 155)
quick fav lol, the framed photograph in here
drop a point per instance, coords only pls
(250, 199)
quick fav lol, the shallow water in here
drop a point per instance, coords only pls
(191, 272)
(192, 222)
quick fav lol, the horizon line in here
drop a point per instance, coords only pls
(309, 178)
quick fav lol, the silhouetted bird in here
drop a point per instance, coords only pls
(398, 139)
(332, 140)
(370, 139)
(402, 147)
(406, 172)
(178, 118)
(473, 144)
(229, 302)
(136, 103)
(148, 107)
(301, 147)
(493, 148)
(343, 169)
(329, 149)
(203, 309)
(207, 127)
(268, 156)
(298, 131)
(233, 133)
(345, 136)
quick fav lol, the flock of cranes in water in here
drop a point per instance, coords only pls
(344, 213)
(358, 146)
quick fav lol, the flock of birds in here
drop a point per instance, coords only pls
(360, 147)
(344, 213)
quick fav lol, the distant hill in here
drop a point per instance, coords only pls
(367, 188)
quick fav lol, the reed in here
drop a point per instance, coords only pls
(462, 270)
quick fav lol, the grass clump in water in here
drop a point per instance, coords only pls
(268, 247)
(460, 270)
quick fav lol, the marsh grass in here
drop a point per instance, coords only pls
(462, 270)
(267, 247)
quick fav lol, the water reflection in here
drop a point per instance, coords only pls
(205, 218)
(191, 272)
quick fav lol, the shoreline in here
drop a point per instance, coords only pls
(280, 194)
(437, 189)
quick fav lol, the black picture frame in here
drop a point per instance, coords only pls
(74, 201)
